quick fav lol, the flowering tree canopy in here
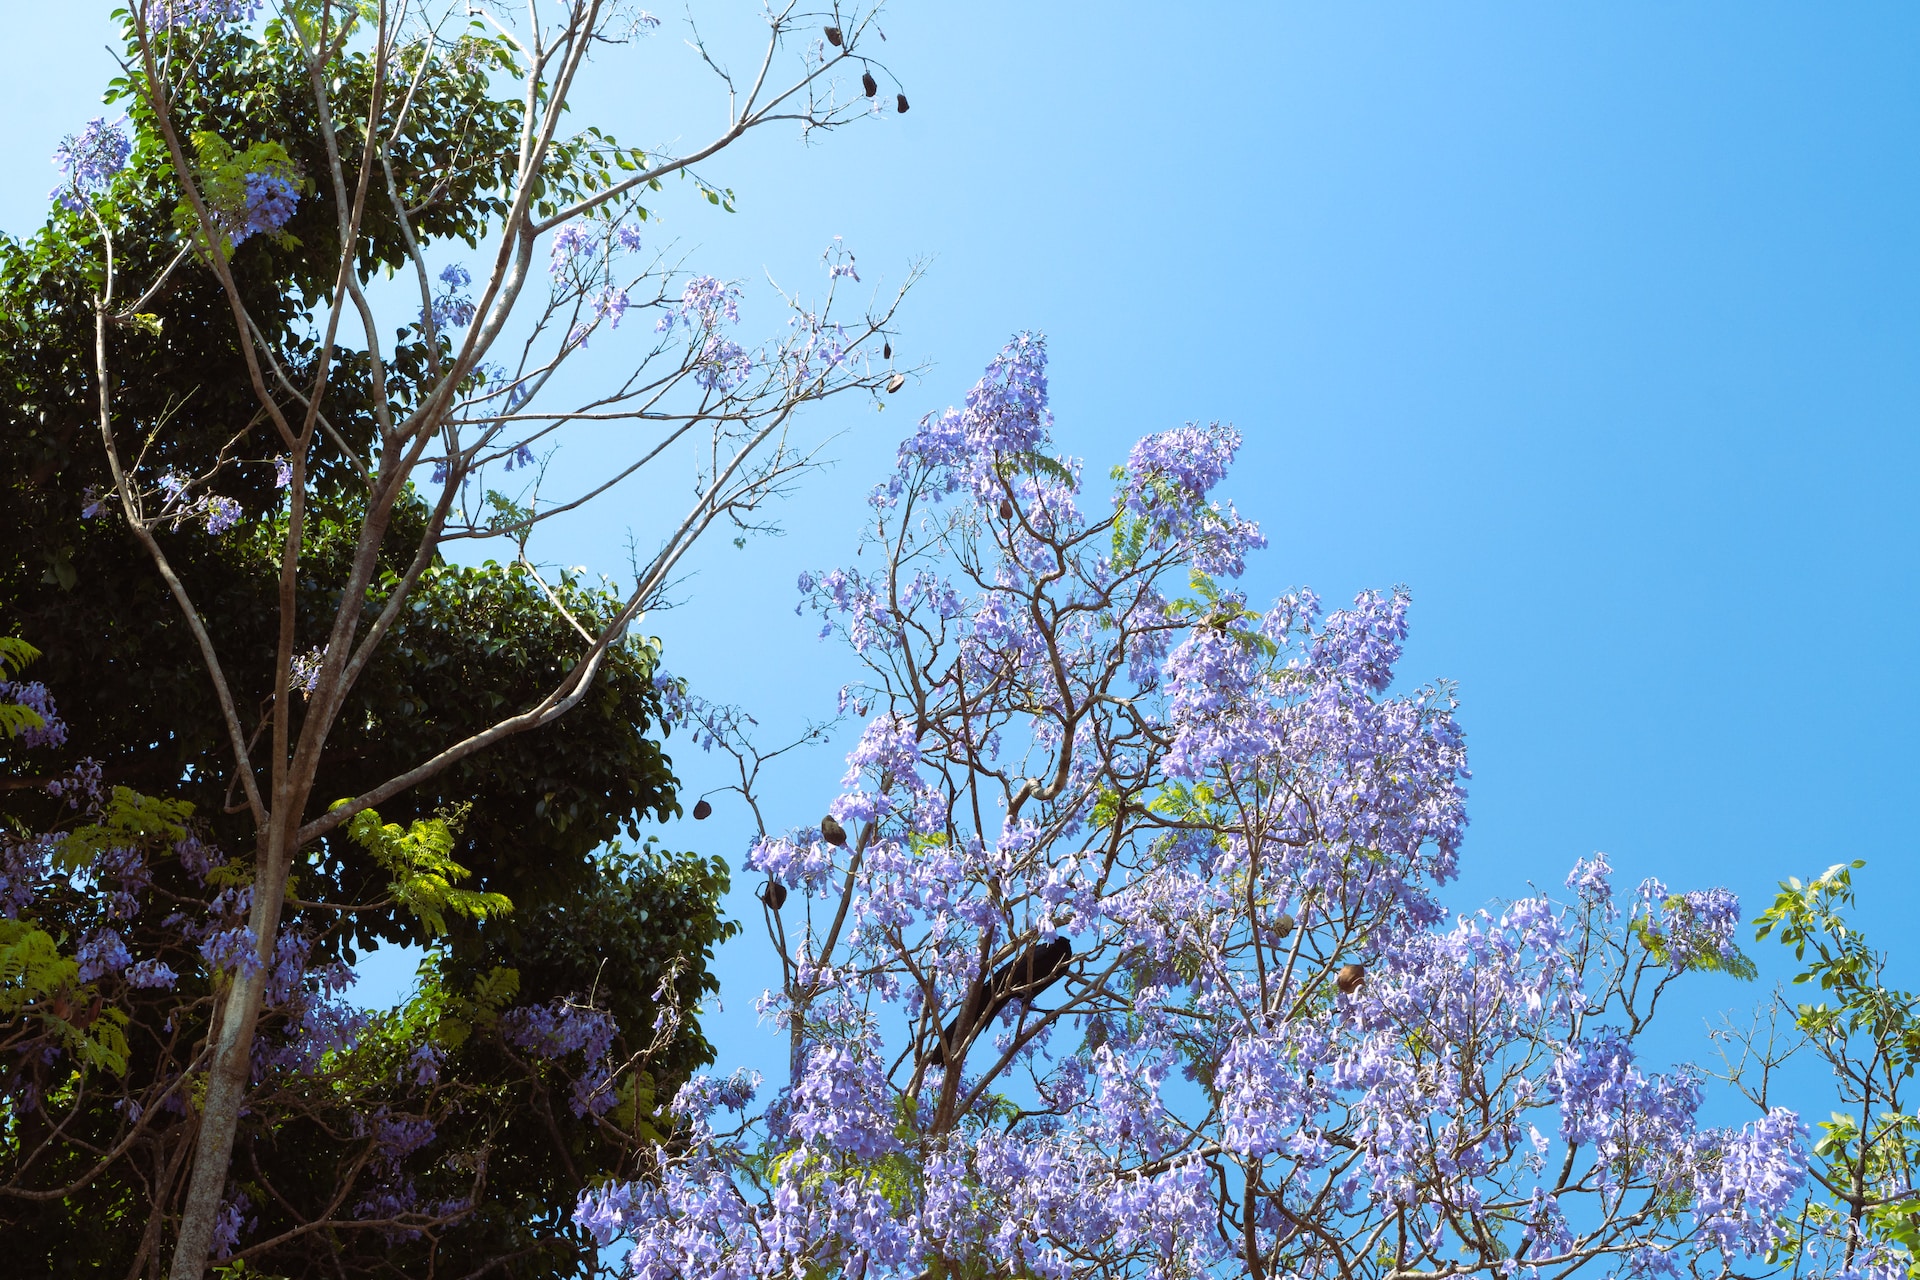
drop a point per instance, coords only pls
(278, 160)
(1120, 950)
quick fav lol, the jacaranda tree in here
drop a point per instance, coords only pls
(1119, 952)
(378, 419)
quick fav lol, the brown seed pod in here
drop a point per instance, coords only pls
(834, 37)
(774, 894)
(900, 103)
(1006, 509)
(868, 83)
(1283, 927)
(896, 382)
(886, 351)
(832, 832)
(702, 811)
(1350, 978)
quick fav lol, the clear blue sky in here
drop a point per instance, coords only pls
(1598, 326)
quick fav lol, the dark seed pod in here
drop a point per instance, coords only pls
(1006, 509)
(886, 351)
(702, 811)
(774, 894)
(868, 83)
(832, 832)
(834, 37)
(900, 103)
(1350, 978)
(896, 382)
(1283, 927)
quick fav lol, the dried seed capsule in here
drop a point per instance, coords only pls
(832, 832)
(834, 37)
(702, 811)
(896, 382)
(868, 83)
(886, 351)
(1350, 978)
(1283, 927)
(1006, 509)
(774, 894)
(900, 103)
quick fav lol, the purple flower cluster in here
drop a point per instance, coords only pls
(1747, 1182)
(1608, 1105)
(304, 673)
(24, 866)
(88, 161)
(1694, 928)
(610, 304)
(165, 14)
(1167, 479)
(841, 1102)
(222, 514)
(271, 199)
(571, 244)
(179, 504)
(152, 974)
(102, 952)
(605, 1212)
(233, 949)
(31, 694)
(560, 1030)
(452, 308)
(233, 1223)
(1005, 419)
(720, 363)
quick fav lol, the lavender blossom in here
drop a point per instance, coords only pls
(1133, 956)
(88, 161)
(31, 694)
(165, 14)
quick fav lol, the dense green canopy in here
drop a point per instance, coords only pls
(538, 815)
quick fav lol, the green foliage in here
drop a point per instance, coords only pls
(32, 970)
(1868, 1032)
(15, 654)
(424, 873)
(37, 981)
(130, 818)
(1811, 918)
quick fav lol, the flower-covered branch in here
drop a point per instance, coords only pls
(1120, 951)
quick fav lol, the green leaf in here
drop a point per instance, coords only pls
(420, 858)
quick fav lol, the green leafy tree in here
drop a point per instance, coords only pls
(1865, 1032)
(248, 605)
